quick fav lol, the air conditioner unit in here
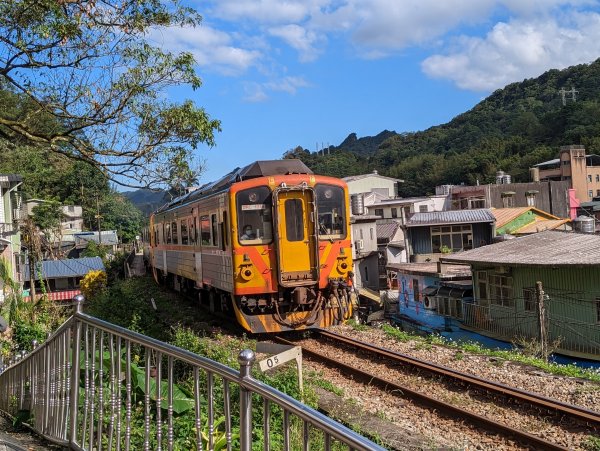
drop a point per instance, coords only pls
(359, 245)
(430, 302)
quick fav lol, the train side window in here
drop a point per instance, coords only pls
(215, 233)
(225, 230)
(167, 233)
(184, 232)
(205, 230)
(255, 218)
(294, 220)
(192, 231)
(174, 232)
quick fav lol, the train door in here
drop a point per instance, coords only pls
(296, 237)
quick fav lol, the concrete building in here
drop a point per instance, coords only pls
(72, 215)
(574, 166)
(364, 251)
(373, 182)
(10, 238)
(549, 195)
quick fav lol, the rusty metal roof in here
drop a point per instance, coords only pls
(549, 248)
(540, 226)
(505, 215)
(451, 217)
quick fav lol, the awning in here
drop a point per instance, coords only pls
(430, 291)
(447, 292)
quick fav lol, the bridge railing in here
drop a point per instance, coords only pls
(94, 385)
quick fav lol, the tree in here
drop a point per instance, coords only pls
(80, 78)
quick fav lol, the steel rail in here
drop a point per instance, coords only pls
(432, 403)
(575, 412)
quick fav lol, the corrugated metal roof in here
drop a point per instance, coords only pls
(451, 217)
(540, 226)
(549, 248)
(505, 215)
(387, 230)
(74, 267)
(352, 178)
(553, 161)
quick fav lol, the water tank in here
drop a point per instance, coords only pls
(499, 177)
(534, 174)
(584, 224)
(357, 204)
(506, 179)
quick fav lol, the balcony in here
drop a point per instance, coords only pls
(7, 228)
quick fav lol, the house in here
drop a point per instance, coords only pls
(580, 170)
(10, 238)
(61, 277)
(106, 238)
(506, 305)
(525, 220)
(433, 234)
(547, 195)
(364, 252)
(373, 182)
(72, 215)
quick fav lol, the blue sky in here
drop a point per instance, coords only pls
(281, 74)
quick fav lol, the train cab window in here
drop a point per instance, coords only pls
(213, 226)
(294, 220)
(331, 210)
(255, 217)
(184, 232)
(174, 231)
(205, 230)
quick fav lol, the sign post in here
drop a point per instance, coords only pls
(282, 354)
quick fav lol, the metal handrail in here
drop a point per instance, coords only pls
(101, 360)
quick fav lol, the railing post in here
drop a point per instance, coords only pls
(75, 355)
(246, 359)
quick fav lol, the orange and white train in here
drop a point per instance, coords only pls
(268, 244)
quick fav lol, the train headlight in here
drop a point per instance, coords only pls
(342, 266)
(246, 273)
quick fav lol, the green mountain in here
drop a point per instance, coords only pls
(512, 129)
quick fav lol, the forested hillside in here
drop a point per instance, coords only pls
(515, 127)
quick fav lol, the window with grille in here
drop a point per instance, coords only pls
(501, 290)
(529, 300)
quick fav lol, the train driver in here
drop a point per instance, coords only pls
(248, 233)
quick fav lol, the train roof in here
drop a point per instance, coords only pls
(253, 170)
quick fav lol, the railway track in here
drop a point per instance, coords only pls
(559, 410)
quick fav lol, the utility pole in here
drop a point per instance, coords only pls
(563, 94)
(542, 323)
(573, 91)
(99, 219)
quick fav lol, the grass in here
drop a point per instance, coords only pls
(503, 355)
(316, 379)
(591, 443)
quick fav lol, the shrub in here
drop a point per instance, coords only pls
(93, 284)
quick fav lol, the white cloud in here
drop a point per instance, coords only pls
(288, 84)
(212, 49)
(516, 50)
(263, 11)
(298, 38)
(258, 92)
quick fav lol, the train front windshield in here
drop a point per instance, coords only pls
(331, 211)
(255, 217)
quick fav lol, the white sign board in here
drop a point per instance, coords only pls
(280, 359)
(290, 353)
